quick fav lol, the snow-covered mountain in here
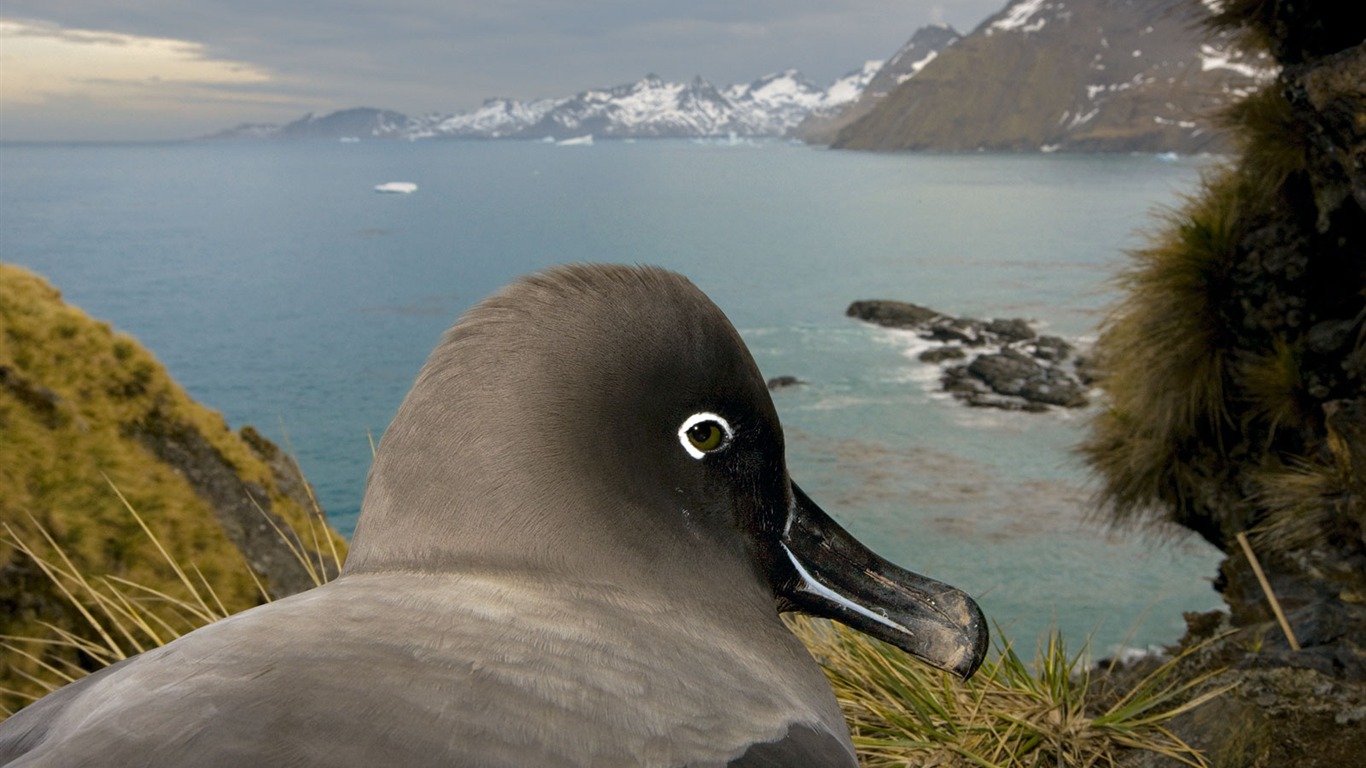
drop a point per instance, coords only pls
(821, 126)
(923, 48)
(494, 119)
(648, 108)
(1072, 76)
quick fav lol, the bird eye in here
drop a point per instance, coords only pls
(704, 433)
(705, 436)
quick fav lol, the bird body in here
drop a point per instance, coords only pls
(576, 539)
(396, 669)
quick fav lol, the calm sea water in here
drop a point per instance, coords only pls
(281, 290)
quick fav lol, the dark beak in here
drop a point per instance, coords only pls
(830, 574)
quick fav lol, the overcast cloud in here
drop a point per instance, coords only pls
(223, 62)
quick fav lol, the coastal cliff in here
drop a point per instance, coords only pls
(1234, 369)
(89, 416)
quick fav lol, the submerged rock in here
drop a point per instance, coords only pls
(1005, 364)
(783, 382)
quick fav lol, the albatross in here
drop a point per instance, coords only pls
(576, 539)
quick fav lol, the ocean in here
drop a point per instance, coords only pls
(280, 289)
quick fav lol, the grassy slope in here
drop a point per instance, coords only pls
(74, 398)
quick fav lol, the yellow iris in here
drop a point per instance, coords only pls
(706, 436)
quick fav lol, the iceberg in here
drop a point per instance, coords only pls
(577, 141)
(396, 187)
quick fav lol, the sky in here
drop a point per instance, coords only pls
(128, 70)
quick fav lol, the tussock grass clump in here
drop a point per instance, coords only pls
(1165, 354)
(120, 617)
(1293, 32)
(1010, 715)
(1243, 322)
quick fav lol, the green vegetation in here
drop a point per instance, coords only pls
(1235, 369)
(84, 410)
(1238, 355)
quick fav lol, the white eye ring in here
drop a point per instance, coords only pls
(694, 420)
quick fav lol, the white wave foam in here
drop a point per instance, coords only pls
(834, 403)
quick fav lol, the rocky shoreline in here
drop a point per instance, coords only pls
(1001, 363)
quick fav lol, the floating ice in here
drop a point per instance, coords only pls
(396, 187)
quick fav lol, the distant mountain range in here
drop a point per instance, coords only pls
(1041, 75)
(649, 108)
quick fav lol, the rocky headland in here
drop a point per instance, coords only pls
(1001, 363)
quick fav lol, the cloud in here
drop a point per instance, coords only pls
(43, 61)
(436, 55)
(63, 83)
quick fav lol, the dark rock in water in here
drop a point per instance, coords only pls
(1008, 365)
(940, 354)
(893, 314)
(1014, 373)
(962, 330)
(1013, 329)
(973, 390)
(782, 382)
(1052, 348)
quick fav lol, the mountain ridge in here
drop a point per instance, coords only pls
(771, 105)
(1038, 76)
(1070, 75)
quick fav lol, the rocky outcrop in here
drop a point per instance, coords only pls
(243, 508)
(1266, 716)
(1001, 363)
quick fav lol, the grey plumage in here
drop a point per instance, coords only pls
(542, 574)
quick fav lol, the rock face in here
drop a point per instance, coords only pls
(822, 126)
(1070, 76)
(1001, 363)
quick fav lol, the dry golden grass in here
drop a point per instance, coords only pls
(122, 617)
(1011, 714)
